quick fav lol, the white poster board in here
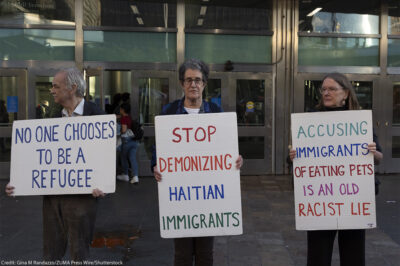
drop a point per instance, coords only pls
(63, 155)
(333, 170)
(199, 194)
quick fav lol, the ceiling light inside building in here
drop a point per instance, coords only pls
(315, 11)
(206, 0)
(135, 10)
(200, 22)
(203, 10)
(139, 20)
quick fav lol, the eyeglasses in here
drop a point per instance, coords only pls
(329, 89)
(188, 81)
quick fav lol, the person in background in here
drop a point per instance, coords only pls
(68, 220)
(337, 94)
(193, 76)
(128, 146)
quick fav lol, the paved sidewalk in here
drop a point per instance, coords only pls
(127, 227)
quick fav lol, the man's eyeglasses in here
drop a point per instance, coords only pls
(188, 81)
(329, 89)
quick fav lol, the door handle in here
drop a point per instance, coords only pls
(378, 123)
(386, 123)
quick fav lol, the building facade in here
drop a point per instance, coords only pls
(267, 60)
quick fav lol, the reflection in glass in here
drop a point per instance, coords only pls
(394, 52)
(129, 46)
(231, 15)
(251, 147)
(312, 95)
(250, 102)
(394, 17)
(396, 104)
(395, 147)
(318, 51)
(45, 106)
(218, 49)
(49, 12)
(116, 83)
(153, 95)
(9, 100)
(127, 13)
(212, 92)
(339, 17)
(37, 44)
(94, 91)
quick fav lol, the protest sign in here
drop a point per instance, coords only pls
(333, 170)
(63, 155)
(199, 194)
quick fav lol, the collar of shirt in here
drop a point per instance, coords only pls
(204, 108)
(77, 112)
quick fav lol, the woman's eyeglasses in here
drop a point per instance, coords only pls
(188, 82)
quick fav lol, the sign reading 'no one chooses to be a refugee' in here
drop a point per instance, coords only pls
(63, 155)
(333, 170)
(199, 194)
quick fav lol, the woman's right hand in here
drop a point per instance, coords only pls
(157, 174)
(292, 154)
(9, 190)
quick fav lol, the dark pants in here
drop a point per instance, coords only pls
(68, 219)
(351, 247)
(199, 247)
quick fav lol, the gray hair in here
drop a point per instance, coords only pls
(194, 64)
(74, 77)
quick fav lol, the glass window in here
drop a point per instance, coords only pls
(359, 17)
(250, 102)
(45, 106)
(37, 44)
(8, 100)
(8, 112)
(49, 12)
(322, 51)
(396, 104)
(129, 46)
(212, 92)
(312, 95)
(394, 52)
(394, 17)
(130, 13)
(233, 15)
(251, 147)
(153, 95)
(216, 48)
(396, 147)
(117, 87)
(94, 91)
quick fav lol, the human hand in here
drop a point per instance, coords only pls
(9, 190)
(98, 193)
(292, 154)
(239, 162)
(157, 174)
(372, 147)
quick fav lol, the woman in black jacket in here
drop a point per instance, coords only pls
(338, 94)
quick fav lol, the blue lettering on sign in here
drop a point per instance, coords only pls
(204, 192)
(61, 178)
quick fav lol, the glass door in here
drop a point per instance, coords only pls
(12, 107)
(151, 90)
(94, 87)
(390, 125)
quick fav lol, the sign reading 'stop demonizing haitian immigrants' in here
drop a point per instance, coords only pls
(199, 194)
(63, 155)
(333, 170)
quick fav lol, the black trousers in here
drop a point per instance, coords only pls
(68, 219)
(351, 247)
(199, 248)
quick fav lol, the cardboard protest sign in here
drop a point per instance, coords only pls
(199, 194)
(63, 155)
(333, 170)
